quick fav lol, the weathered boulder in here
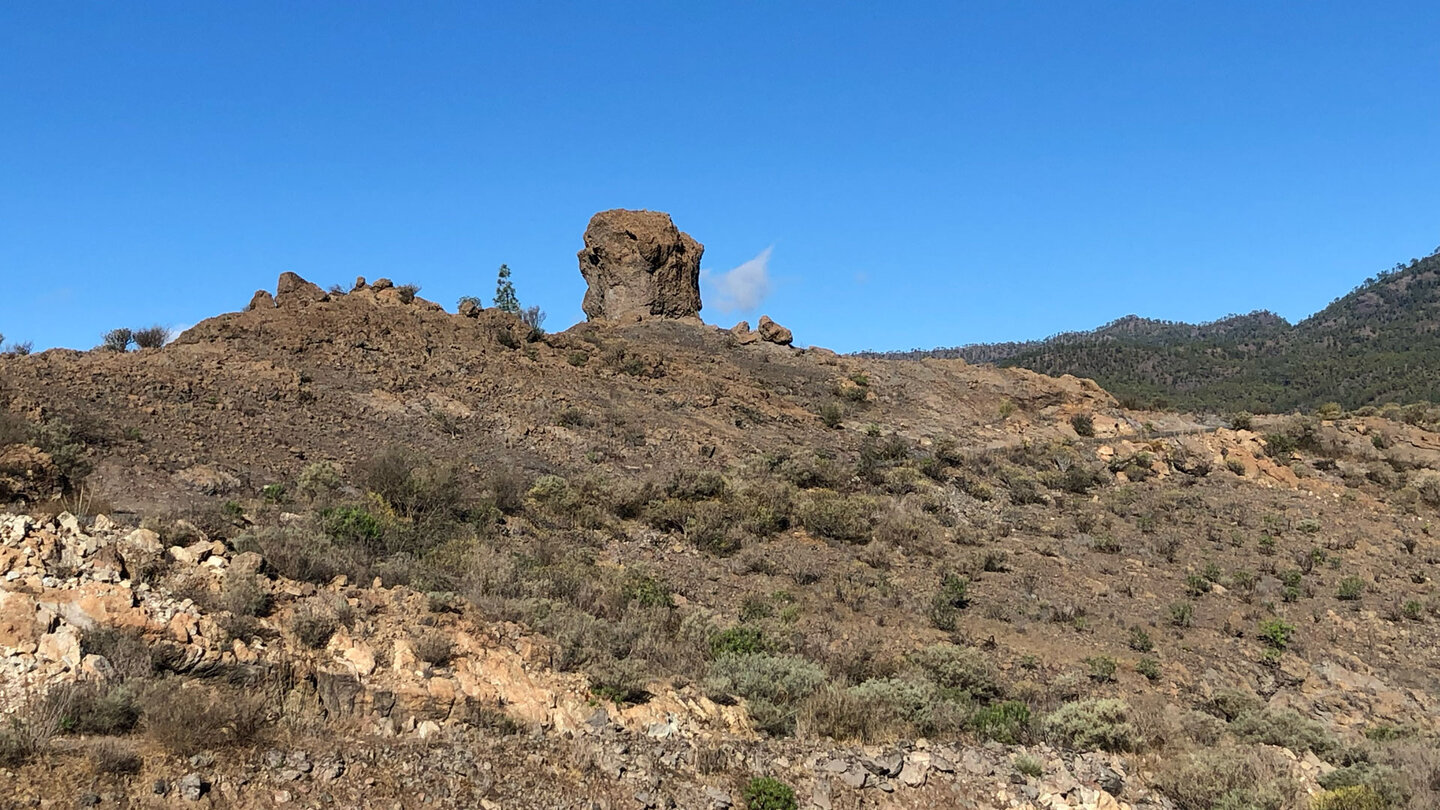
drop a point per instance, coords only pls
(638, 265)
(774, 332)
(292, 290)
(470, 309)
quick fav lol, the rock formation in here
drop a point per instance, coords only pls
(292, 290)
(638, 265)
(774, 332)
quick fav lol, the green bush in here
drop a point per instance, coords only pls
(1007, 722)
(962, 669)
(764, 793)
(1139, 640)
(1102, 668)
(836, 517)
(1084, 424)
(1283, 727)
(1149, 667)
(738, 640)
(1351, 588)
(1182, 614)
(1276, 633)
(1382, 780)
(952, 597)
(1093, 724)
(355, 526)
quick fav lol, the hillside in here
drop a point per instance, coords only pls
(350, 549)
(1378, 344)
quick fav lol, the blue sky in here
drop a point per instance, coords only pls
(921, 174)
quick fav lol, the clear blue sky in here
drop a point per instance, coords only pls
(926, 173)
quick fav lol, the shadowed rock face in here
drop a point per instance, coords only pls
(638, 265)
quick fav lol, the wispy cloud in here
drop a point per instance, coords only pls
(741, 288)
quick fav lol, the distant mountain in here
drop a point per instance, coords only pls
(1380, 343)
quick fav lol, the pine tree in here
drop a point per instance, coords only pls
(505, 299)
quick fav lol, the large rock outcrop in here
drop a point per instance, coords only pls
(638, 265)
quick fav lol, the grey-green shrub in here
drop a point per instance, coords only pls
(1093, 724)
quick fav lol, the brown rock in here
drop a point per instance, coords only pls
(774, 332)
(382, 284)
(470, 309)
(27, 473)
(639, 265)
(261, 300)
(743, 334)
(293, 290)
(359, 284)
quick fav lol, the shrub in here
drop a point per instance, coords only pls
(313, 625)
(1139, 640)
(1225, 779)
(1106, 544)
(419, 489)
(764, 793)
(1007, 722)
(1093, 724)
(831, 414)
(1382, 780)
(1149, 667)
(959, 668)
(772, 685)
(435, 648)
(319, 482)
(187, 718)
(152, 337)
(1084, 424)
(739, 640)
(94, 708)
(1241, 421)
(114, 758)
(837, 517)
(1283, 727)
(909, 706)
(1102, 668)
(1350, 588)
(1276, 633)
(1353, 797)
(407, 292)
(951, 598)
(118, 340)
(1229, 704)
(1182, 614)
(1029, 766)
(355, 526)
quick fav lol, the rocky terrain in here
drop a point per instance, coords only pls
(345, 548)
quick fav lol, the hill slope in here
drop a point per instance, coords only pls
(642, 565)
(1377, 344)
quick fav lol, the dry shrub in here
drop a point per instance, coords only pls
(112, 757)
(187, 718)
(26, 732)
(313, 625)
(1225, 777)
(434, 648)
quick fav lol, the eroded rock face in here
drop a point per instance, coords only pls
(638, 265)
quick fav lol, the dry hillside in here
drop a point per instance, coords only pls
(354, 550)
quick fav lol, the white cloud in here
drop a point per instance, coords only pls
(741, 288)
